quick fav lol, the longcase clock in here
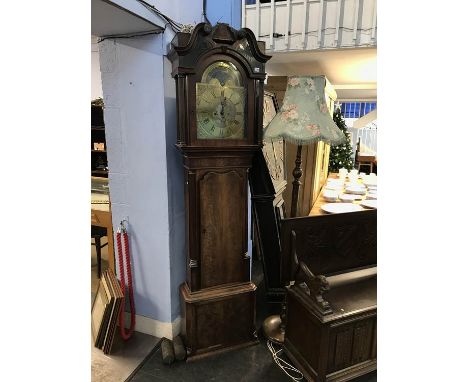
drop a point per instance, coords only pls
(219, 74)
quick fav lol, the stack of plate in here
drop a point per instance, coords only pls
(356, 189)
(371, 196)
(349, 198)
(369, 204)
(370, 181)
(333, 187)
(330, 196)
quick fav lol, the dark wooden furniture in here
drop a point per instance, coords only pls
(267, 182)
(98, 136)
(331, 321)
(219, 74)
(101, 213)
(366, 162)
(102, 217)
(97, 233)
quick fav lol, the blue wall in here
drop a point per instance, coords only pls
(224, 11)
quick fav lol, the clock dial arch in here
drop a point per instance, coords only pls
(220, 102)
(222, 110)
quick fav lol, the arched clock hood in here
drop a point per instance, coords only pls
(188, 48)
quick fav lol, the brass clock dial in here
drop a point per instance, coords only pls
(220, 103)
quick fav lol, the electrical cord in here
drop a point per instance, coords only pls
(176, 26)
(130, 35)
(285, 366)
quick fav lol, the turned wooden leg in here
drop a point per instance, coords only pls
(297, 173)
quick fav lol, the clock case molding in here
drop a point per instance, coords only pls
(218, 298)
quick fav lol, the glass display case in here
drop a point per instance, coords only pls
(99, 193)
(100, 185)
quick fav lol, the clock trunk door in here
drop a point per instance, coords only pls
(223, 222)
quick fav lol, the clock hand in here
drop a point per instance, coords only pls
(223, 117)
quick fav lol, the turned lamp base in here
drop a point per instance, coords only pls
(273, 329)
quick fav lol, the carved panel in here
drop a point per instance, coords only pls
(330, 243)
(345, 243)
(224, 322)
(350, 344)
(223, 226)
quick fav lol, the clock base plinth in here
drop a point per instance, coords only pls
(219, 319)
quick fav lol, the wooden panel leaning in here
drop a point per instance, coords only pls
(332, 307)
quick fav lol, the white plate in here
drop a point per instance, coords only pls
(369, 203)
(330, 196)
(355, 190)
(338, 208)
(333, 188)
(371, 196)
(355, 184)
(370, 182)
(335, 181)
(349, 198)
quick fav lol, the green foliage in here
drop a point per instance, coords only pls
(341, 155)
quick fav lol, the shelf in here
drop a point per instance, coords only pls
(99, 172)
(98, 128)
(98, 151)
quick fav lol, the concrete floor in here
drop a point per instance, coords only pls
(125, 356)
(252, 364)
(139, 359)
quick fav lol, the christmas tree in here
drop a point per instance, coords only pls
(341, 155)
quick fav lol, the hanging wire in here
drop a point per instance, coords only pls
(204, 13)
(176, 26)
(130, 35)
(285, 366)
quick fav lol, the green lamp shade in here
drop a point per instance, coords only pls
(304, 116)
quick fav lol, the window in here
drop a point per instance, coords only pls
(356, 109)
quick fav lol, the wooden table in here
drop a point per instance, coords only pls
(320, 201)
(101, 216)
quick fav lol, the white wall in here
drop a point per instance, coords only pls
(96, 87)
(145, 169)
(132, 81)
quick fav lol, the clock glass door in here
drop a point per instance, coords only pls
(220, 103)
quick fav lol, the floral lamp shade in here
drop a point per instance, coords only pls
(304, 117)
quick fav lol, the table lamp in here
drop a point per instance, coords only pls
(304, 118)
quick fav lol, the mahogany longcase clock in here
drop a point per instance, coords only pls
(219, 73)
